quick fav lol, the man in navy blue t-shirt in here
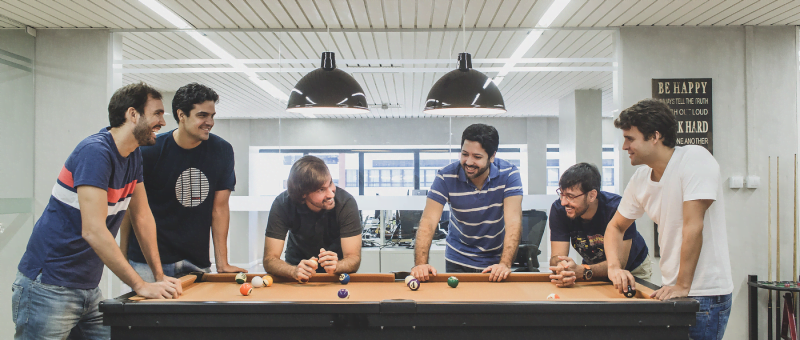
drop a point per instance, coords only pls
(56, 293)
(189, 175)
(580, 217)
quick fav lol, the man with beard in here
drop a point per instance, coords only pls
(485, 197)
(580, 216)
(321, 221)
(189, 175)
(56, 293)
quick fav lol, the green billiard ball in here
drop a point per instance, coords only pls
(452, 281)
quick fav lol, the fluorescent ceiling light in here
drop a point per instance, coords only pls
(215, 49)
(547, 19)
(466, 111)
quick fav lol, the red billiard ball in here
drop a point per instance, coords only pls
(246, 289)
(553, 297)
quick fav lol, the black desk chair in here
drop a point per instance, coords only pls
(533, 224)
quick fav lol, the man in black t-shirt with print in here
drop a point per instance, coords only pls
(580, 217)
(321, 222)
(189, 177)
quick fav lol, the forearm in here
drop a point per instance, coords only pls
(422, 246)
(145, 228)
(276, 266)
(690, 252)
(104, 245)
(599, 270)
(613, 243)
(348, 264)
(124, 235)
(510, 245)
(220, 223)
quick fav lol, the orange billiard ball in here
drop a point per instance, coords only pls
(553, 297)
(246, 289)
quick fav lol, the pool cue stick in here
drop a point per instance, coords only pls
(769, 246)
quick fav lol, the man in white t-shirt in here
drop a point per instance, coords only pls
(680, 189)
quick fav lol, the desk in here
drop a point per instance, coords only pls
(382, 306)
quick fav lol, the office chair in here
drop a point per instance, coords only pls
(533, 224)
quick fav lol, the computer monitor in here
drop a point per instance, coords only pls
(409, 221)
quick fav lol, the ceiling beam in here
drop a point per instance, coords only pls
(350, 30)
(360, 69)
(362, 61)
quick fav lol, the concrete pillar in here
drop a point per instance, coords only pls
(580, 134)
(537, 155)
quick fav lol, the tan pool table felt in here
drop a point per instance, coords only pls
(379, 287)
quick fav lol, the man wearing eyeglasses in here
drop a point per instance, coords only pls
(580, 217)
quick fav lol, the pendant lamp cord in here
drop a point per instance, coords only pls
(464, 24)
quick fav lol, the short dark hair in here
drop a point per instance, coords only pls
(649, 116)
(132, 95)
(189, 95)
(484, 134)
(584, 174)
(307, 175)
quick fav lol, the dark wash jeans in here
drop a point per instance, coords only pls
(451, 267)
(712, 319)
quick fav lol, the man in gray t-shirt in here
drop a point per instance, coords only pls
(321, 221)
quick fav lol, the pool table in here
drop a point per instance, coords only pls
(381, 305)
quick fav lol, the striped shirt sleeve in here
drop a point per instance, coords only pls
(439, 191)
(513, 183)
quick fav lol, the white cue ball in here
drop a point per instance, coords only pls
(257, 282)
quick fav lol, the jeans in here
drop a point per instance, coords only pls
(451, 267)
(44, 311)
(712, 317)
(171, 269)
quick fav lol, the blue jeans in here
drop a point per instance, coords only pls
(43, 311)
(170, 269)
(712, 319)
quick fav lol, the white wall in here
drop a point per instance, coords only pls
(719, 53)
(16, 161)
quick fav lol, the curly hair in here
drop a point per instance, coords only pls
(188, 95)
(649, 116)
(132, 95)
(584, 174)
(484, 134)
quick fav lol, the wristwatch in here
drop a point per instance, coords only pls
(587, 272)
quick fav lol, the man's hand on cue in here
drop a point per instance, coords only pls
(328, 260)
(497, 272)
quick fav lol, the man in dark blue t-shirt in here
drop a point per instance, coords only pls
(580, 217)
(189, 178)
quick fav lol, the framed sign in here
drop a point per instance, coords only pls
(690, 101)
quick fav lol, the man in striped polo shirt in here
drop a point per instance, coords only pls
(56, 293)
(485, 197)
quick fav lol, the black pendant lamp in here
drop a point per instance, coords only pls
(464, 91)
(327, 90)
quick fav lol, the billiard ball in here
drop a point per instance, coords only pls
(630, 293)
(267, 280)
(452, 281)
(257, 282)
(344, 294)
(344, 278)
(246, 289)
(241, 278)
(409, 278)
(413, 284)
(553, 297)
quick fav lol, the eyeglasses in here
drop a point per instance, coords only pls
(568, 196)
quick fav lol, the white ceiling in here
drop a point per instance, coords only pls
(383, 29)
